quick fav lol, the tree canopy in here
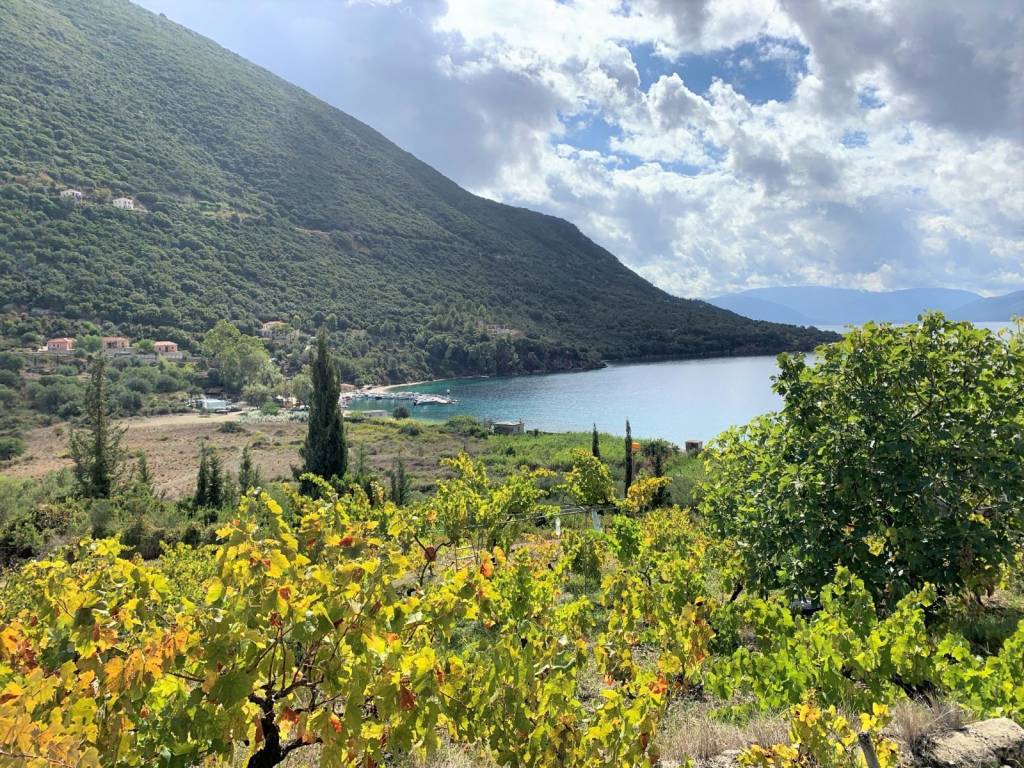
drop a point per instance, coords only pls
(899, 453)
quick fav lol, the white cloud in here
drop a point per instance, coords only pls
(897, 161)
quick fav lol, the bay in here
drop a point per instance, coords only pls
(677, 400)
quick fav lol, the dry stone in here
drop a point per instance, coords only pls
(987, 744)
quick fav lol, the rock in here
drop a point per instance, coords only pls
(1003, 736)
(987, 744)
(727, 759)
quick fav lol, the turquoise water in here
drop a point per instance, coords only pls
(677, 400)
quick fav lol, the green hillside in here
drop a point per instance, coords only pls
(258, 201)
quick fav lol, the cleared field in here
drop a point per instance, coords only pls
(171, 445)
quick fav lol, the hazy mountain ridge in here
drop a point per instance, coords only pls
(993, 309)
(258, 201)
(818, 305)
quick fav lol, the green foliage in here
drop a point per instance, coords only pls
(325, 453)
(825, 738)
(11, 361)
(212, 484)
(466, 426)
(628, 467)
(624, 537)
(248, 473)
(401, 485)
(11, 447)
(95, 446)
(898, 454)
(584, 553)
(258, 201)
(589, 483)
(242, 360)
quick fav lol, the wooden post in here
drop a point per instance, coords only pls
(868, 749)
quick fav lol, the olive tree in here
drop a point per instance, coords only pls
(898, 453)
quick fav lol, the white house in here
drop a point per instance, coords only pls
(124, 203)
(71, 194)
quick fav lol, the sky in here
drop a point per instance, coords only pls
(712, 145)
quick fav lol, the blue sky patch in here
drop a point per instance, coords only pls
(763, 71)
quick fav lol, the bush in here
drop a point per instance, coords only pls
(411, 429)
(466, 426)
(8, 396)
(130, 402)
(10, 361)
(9, 379)
(898, 455)
(11, 447)
(19, 540)
(401, 412)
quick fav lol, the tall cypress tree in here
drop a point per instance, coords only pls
(217, 493)
(595, 444)
(202, 496)
(143, 479)
(248, 472)
(95, 447)
(324, 452)
(629, 457)
(400, 483)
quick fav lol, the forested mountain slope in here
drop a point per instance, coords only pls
(257, 201)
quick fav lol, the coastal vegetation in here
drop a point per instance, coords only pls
(347, 625)
(257, 202)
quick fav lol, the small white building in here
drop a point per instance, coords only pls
(508, 427)
(212, 404)
(71, 194)
(124, 203)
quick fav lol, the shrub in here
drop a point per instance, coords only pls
(11, 447)
(897, 455)
(466, 426)
(10, 361)
(401, 412)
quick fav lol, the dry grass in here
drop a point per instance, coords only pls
(913, 722)
(448, 756)
(691, 732)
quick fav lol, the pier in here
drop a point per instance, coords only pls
(377, 393)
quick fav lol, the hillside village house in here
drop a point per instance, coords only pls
(115, 345)
(166, 349)
(62, 345)
(276, 329)
(71, 194)
(124, 203)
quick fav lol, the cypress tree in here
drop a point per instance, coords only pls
(595, 444)
(661, 497)
(629, 457)
(217, 493)
(248, 472)
(324, 452)
(95, 448)
(143, 480)
(399, 482)
(202, 495)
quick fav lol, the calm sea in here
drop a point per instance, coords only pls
(677, 400)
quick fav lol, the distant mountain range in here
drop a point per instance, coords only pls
(815, 305)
